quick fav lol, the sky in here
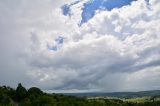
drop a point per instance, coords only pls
(80, 46)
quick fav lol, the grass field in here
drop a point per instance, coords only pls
(133, 101)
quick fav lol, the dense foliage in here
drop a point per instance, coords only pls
(35, 97)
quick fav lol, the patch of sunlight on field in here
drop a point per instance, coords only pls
(138, 99)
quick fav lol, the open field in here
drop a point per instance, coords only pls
(132, 101)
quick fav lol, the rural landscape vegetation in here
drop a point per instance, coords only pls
(35, 97)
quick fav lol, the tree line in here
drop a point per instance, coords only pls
(35, 97)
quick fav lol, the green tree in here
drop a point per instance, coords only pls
(34, 91)
(21, 92)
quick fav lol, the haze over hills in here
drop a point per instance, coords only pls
(118, 94)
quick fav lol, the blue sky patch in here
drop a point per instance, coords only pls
(49, 47)
(92, 5)
(88, 11)
(59, 40)
(65, 9)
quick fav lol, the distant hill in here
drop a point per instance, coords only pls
(118, 94)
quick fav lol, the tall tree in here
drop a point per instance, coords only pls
(21, 92)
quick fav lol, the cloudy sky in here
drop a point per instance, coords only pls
(86, 45)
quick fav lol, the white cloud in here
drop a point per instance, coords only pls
(105, 53)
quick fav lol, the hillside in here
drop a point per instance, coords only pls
(117, 94)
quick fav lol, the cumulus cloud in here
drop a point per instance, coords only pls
(116, 50)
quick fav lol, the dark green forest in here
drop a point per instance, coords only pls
(35, 97)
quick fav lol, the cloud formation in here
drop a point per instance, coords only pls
(116, 50)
